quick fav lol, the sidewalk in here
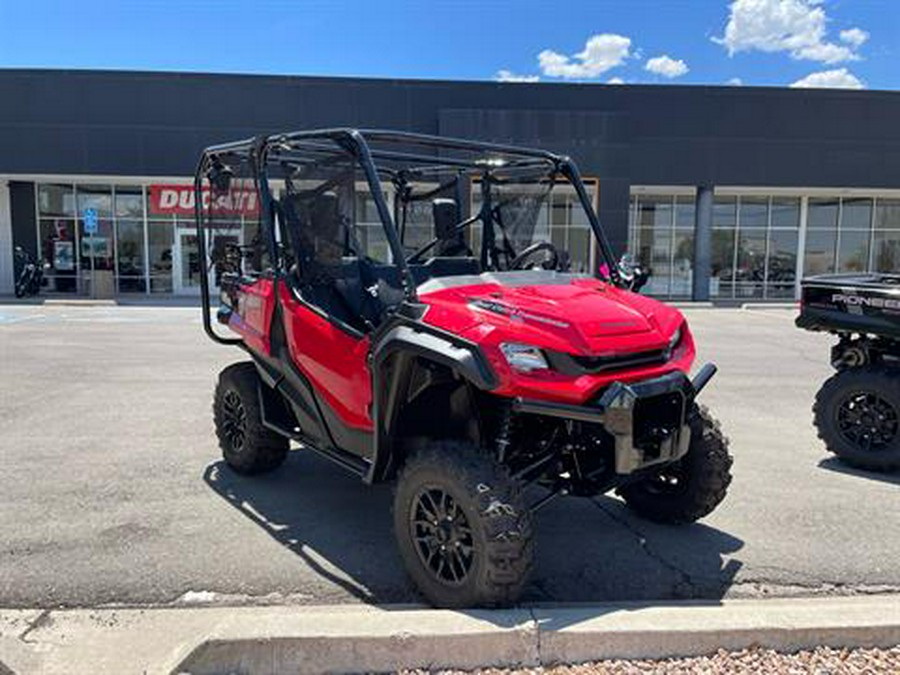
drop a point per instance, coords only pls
(355, 638)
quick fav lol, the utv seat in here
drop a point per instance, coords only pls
(452, 256)
(326, 278)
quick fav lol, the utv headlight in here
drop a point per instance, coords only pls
(524, 358)
(675, 339)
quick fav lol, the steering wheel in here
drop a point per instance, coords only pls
(551, 263)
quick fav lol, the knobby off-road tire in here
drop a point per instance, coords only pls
(694, 486)
(857, 415)
(247, 446)
(452, 495)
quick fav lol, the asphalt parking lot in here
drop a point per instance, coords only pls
(111, 490)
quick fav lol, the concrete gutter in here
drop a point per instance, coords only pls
(355, 638)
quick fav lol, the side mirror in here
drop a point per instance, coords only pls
(219, 176)
(634, 276)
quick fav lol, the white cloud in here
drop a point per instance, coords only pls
(504, 75)
(735, 82)
(666, 66)
(839, 78)
(601, 53)
(854, 36)
(615, 80)
(797, 27)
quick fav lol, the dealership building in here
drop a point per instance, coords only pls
(724, 193)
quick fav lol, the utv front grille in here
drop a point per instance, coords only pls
(571, 364)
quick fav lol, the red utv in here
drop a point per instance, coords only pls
(411, 313)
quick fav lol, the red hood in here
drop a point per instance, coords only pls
(570, 313)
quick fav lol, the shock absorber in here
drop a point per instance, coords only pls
(849, 353)
(505, 425)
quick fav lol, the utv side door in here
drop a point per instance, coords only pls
(322, 300)
(334, 361)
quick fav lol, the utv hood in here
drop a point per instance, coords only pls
(571, 313)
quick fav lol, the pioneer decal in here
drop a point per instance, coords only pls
(863, 301)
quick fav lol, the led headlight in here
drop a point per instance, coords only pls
(675, 339)
(523, 358)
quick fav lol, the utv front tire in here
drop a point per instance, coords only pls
(463, 528)
(247, 446)
(692, 487)
(857, 415)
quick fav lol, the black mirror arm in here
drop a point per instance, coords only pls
(431, 244)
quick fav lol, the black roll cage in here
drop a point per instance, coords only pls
(356, 142)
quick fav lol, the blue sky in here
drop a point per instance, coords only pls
(851, 43)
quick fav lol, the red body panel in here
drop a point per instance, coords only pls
(585, 317)
(582, 316)
(334, 361)
(253, 316)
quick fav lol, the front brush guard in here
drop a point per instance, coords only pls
(638, 443)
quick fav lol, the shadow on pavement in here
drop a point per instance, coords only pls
(836, 465)
(587, 550)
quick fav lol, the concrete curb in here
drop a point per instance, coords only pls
(692, 304)
(356, 638)
(771, 305)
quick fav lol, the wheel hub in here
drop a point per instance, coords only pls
(867, 421)
(442, 536)
(235, 420)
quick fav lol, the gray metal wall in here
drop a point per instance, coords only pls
(86, 122)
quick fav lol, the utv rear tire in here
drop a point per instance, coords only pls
(857, 415)
(247, 446)
(692, 487)
(462, 526)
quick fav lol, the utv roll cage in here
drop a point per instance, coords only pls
(404, 159)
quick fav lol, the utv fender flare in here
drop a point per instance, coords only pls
(393, 358)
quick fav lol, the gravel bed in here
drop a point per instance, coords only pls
(755, 661)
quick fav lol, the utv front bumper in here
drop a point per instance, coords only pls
(648, 420)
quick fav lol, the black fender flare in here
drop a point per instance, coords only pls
(393, 358)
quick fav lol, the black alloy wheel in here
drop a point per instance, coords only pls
(442, 535)
(248, 446)
(857, 415)
(462, 526)
(867, 420)
(234, 424)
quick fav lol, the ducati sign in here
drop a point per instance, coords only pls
(178, 200)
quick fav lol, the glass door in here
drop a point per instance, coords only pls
(186, 268)
(186, 259)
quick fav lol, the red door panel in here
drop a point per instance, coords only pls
(334, 361)
(253, 315)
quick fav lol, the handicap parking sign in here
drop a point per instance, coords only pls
(90, 221)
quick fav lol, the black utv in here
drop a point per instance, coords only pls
(857, 410)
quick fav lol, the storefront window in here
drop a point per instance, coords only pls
(129, 202)
(130, 256)
(886, 238)
(721, 283)
(887, 214)
(781, 270)
(663, 242)
(160, 235)
(886, 251)
(56, 200)
(756, 238)
(57, 247)
(819, 254)
(751, 257)
(821, 235)
(654, 251)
